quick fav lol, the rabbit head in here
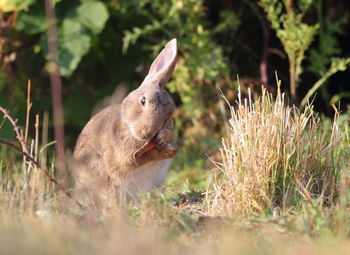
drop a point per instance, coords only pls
(145, 109)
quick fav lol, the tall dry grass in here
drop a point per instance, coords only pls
(274, 156)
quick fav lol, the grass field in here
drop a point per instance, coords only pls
(280, 185)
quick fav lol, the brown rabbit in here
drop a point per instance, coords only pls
(127, 147)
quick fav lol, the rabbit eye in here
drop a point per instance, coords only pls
(143, 100)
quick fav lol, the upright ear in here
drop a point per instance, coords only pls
(164, 65)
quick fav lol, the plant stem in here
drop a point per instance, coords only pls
(56, 85)
(292, 77)
(314, 88)
(265, 54)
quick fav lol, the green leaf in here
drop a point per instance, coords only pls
(73, 43)
(75, 33)
(93, 15)
(32, 21)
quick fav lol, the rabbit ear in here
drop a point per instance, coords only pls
(163, 66)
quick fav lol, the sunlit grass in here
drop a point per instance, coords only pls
(281, 187)
(276, 156)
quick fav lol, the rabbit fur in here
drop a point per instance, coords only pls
(128, 147)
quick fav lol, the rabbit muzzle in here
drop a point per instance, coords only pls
(150, 133)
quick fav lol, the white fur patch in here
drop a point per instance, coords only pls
(146, 177)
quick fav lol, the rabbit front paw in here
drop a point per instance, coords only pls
(165, 136)
(167, 150)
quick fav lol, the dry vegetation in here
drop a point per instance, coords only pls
(275, 156)
(281, 188)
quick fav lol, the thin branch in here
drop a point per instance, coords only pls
(24, 151)
(19, 135)
(56, 84)
(265, 54)
(336, 66)
(29, 106)
(44, 170)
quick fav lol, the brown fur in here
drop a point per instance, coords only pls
(106, 153)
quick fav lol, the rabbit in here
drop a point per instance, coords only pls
(128, 147)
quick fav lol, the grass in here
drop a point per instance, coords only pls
(281, 186)
(275, 156)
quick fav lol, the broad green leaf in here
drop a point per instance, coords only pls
(93, 15)
(74, 42)
(32, 21)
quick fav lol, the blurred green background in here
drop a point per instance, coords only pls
(105, 44)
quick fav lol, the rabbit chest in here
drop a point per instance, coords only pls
(145, 177)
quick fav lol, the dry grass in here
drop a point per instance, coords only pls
(66, 234)
(274, 156)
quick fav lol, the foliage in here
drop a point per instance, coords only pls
(295, 35)
(275, 156)
(14, 5)
(103, 44)
(337, 64)
(77, 25)
(328, 47)
(289, 167)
